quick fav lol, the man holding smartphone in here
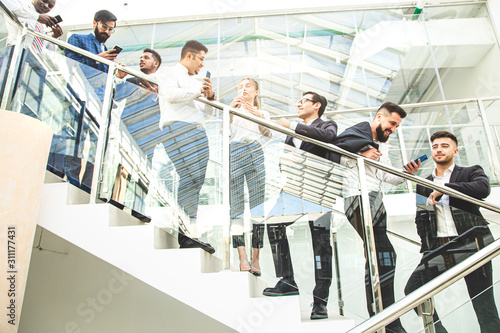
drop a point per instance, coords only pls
(104, 26)
(456, 227)
(368, 140)
(149, 63)
(35, 15)
(182, 122)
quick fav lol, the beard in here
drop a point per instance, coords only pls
(381, 135)
(444, 161)
(100, 36)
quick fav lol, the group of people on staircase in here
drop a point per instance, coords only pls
(445, 224)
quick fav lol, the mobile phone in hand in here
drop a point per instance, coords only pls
(421, 158)
(58, 18)
(208, 75)
(117, 49)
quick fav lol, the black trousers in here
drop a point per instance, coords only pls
(247, 165)
(386, 255)
(479, 282)
(320, 233)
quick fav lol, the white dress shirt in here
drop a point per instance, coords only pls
(27, 14)
(293, 125)
(177, 91)
(375, 176)
(445, 224)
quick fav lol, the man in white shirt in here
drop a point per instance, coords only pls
(368, 139)
(33, 14)
(182, 121)
(447, 226)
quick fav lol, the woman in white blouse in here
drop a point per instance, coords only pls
(247, 165)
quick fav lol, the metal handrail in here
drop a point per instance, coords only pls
(11, 15)
(409, 105)
(271, 125)
(429, 289)
(73, 48)
(331, 147)
(93, 56)
(415, 298)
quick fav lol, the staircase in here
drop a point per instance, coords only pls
(95, 268)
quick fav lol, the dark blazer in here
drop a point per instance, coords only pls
(325, 131)
(353, 139)
(468, 180)
(88, 43)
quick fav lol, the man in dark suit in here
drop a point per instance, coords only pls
(368, 140)
(104, 26)
(451, 229)
(310, 109)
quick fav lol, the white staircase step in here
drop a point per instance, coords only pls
(226, 296)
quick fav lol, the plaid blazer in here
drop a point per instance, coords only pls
(88, 43)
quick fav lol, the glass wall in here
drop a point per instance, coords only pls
(356, 59)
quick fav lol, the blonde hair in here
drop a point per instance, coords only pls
(255, 84)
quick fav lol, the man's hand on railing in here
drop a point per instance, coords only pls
(372, 153)
(284, 122)
(121, 74)
(434, 198)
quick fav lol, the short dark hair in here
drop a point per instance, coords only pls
(192, 46)
(317, 98)
(444, 134)
(393, 107)
(155, 54)
(104, 16)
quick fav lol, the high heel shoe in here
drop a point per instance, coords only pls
(245, 270)
(255, 271)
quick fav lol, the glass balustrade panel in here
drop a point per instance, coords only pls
(293, 224)
(173, 174)
(435, 255)
(463, 120)
(459, 314)
(67, 96)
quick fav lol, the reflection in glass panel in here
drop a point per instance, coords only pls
(54, 90)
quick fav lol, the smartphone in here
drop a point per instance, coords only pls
(421, 158)
(208, 75)
(117, 50)
(58, 18)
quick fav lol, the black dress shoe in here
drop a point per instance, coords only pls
(319, 311)
(283, 288)
(191, 243)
